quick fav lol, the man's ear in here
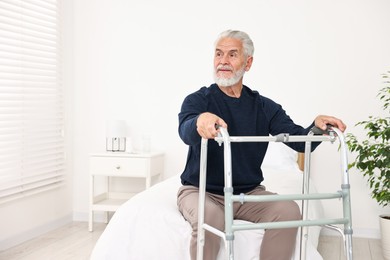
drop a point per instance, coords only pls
(249, 61)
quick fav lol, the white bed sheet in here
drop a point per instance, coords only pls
(149, 226)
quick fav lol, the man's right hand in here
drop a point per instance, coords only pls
(206, 125)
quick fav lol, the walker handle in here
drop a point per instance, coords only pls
(318, 131)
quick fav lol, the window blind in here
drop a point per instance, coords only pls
(31, 98)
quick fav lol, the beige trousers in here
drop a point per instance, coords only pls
(278, 244)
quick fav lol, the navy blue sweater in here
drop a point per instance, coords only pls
(249, 115)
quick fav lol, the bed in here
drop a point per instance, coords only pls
(149, 225)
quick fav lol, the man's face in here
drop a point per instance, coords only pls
(230, 62)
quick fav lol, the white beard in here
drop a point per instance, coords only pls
(228, 82)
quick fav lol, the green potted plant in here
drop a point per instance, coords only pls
(373, 159)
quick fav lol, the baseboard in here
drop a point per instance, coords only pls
(357, 232)
(32, 233)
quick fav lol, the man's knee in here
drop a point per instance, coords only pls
(290, 211)
(215, 218)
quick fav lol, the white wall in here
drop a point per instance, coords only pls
(29, 217)
(137, 60)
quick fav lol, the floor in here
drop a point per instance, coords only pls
(75, 242)
(332, 248)
(72, 242)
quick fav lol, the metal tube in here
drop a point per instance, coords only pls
(281, 197)
(292, 138)
(289, 224)
(228, 192)
(214, 230)
(305, 203)
(345, 187)
(202, 195)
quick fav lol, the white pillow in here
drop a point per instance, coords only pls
(280, 156)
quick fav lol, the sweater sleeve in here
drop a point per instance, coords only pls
(188, 132)
(193, 105)
(280, 122)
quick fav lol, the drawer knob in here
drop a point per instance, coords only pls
(118, 167)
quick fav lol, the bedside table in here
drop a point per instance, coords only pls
(117, 164)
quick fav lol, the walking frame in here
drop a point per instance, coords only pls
(315, 135)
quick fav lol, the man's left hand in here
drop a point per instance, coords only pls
(321, 121)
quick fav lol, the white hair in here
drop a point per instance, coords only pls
(247, 43)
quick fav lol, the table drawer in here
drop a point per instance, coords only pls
(134, 167)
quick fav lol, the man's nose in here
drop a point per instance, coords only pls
(224, 59)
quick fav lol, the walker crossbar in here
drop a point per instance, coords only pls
(228, 235)
(261, 198)
(289, 224)
(286, 138)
